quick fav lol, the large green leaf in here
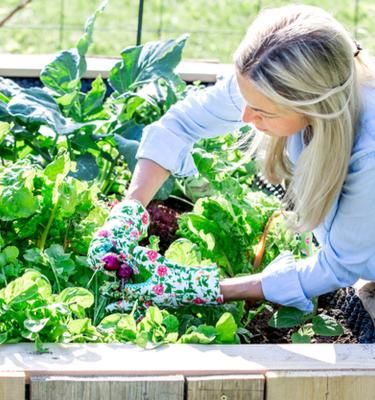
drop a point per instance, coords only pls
(17, 203)
(130, 130)
(287, 317)
(87, 168)
(85, 41)
(325, 325)
(62, 75)
(76, 295)
(143, 64)
(184, 252)
(226, 329)
(4, 115)
(128, 149)
(8, 88)
(32, 284)
(35, 107)
(93, 102)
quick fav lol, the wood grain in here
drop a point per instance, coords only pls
(320, 385)
(225, 387)
(108, 388)
(12, 386)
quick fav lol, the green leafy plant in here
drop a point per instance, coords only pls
(29, 310)
(97, 128)
(308, 325)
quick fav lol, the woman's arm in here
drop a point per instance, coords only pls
(147, 178)
(207, 113)
(347, 239)
(242, 288)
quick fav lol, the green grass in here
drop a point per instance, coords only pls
(215, 26)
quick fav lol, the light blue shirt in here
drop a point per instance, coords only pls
(346, 236)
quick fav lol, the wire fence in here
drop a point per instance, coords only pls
(215, 27)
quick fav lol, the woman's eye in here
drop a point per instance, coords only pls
(269, 116)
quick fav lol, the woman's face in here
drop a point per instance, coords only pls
(266, 116)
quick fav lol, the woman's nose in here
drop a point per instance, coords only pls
(249, 115)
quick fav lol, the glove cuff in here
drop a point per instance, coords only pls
(131, 218)
(199, 285)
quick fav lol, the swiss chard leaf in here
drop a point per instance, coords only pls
(35, 107)
(85, 41)
(63, 74)
(92, 104)
(8, 89)
(142, 64)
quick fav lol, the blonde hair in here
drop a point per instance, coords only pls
(301, 58)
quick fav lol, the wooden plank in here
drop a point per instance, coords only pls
(20, 65)
(108, 388)
(12, 386)
(320, 385)
(225, 387)
(183, 359)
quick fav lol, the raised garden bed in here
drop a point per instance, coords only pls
(187, 372)
(269, 369)
(344, 303)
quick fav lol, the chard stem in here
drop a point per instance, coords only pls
(43, 238)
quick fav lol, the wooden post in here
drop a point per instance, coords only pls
(327, 385)
(108, 388)
(12, 386)
(225, 387)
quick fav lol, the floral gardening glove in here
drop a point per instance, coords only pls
(115, 249)
(110, 248)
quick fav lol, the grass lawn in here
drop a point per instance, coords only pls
(215, 26)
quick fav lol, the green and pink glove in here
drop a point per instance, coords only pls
(115, 250)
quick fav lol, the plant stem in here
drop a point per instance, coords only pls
(261, 246)
(98, 309)
(229, 268)
(107, 184)
(43, 238)
(66, 242)
(5, 278)
(56, 277)
(91, 279)
(181, 199)
(103, 175)
(45, 155)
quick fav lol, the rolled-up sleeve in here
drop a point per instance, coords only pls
(207, 113)
(347, 252)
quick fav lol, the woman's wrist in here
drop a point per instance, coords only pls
(247, 287)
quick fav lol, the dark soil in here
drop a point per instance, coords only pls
(343, 305)
(264, 334)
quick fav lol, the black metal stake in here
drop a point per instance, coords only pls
(140, 18)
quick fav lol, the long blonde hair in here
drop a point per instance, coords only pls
(301, 58)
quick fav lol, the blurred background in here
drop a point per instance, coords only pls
(215, 26)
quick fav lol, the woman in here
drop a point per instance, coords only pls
(306, 87)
